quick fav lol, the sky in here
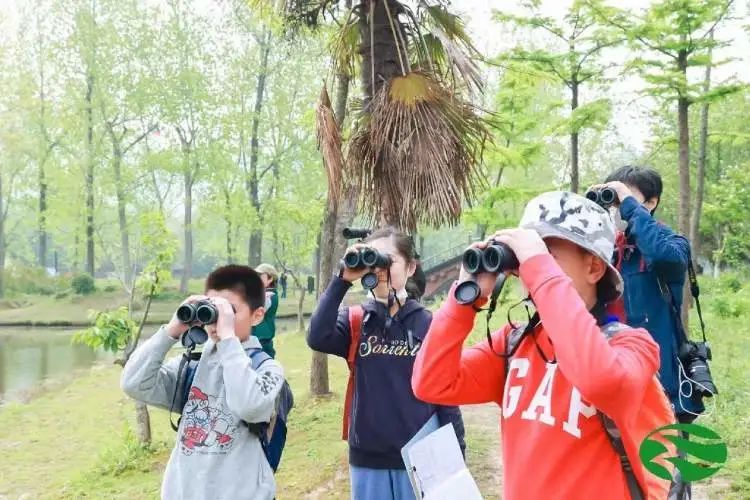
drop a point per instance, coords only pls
(631, 112)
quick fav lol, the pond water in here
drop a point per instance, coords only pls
(31, 356)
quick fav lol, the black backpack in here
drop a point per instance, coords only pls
(272, 435)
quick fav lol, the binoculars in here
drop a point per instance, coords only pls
(604, 197)
(496, 258)
(202, 311)
(367, 258)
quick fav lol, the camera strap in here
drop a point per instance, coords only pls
(669, 298)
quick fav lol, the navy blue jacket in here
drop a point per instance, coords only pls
(653, 250)
(385, 413)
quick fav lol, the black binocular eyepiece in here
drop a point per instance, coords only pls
(495, 258)
(367, 258)
(202, 311)
(604, 197)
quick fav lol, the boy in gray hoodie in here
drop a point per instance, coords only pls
(215, 456)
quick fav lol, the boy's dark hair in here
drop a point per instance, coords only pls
(647, 180)
(242, 279)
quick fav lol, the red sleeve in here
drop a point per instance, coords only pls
(611, 375)
(445, 373)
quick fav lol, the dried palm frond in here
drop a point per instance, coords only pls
(418, 151)
(449, 45)
(329, 144)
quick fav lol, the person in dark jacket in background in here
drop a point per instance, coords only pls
(266, 330)
(385, 414)
(648, 252)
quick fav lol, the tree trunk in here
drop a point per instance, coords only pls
(383, 54)
(127, 272)
(683, 105)
(230, 228)
(330, 246)
(143, 423)
(574, 141)
(42, 219)
(2, 237)
(89, 183)
(255, 242)
(187, 267)
(300, 309)
(701, 167)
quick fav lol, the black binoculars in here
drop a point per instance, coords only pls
(202, 311)
(367, 258)
(496, 258)
(604, 197)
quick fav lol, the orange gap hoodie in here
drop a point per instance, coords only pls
(553, 443)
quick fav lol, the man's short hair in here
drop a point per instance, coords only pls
(647, 180)
(241, 279)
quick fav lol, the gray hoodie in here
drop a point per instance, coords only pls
(215, 455)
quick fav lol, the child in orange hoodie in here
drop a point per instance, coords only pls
(564, 374)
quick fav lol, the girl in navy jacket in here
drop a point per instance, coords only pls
(385, 414)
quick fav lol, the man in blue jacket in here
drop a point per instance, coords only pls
(647, 254)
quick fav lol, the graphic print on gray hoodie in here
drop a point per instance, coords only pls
(215, 455)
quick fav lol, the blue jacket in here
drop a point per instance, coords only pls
(385, 413)
(653, 250)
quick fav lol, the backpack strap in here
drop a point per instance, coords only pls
(613, 433)
(356, 315)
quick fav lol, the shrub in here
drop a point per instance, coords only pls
(83, 284)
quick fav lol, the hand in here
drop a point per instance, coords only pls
(175, 327)
(224, 327)
(486, 281)
(352, 275)
(525, 243)
(621, 189)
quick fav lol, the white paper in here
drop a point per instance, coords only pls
(436, 461)
(460, 485)
(429, 427)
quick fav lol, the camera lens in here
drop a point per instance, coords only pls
(351, 260)
(186, 313)
(207, 313)
(370, 281)
(472, 260)
(607, 196)
(467, 292)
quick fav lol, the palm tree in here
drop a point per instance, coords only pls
(417, 140)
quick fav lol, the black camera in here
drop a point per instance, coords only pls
(604, 197)
(496, 258)
(694, 357)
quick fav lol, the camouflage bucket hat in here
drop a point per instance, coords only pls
(568, 216)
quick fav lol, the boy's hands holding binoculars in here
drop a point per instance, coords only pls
(222, 329)
(621, 189)
(175, 327)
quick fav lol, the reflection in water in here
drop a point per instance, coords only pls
(30, 357)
